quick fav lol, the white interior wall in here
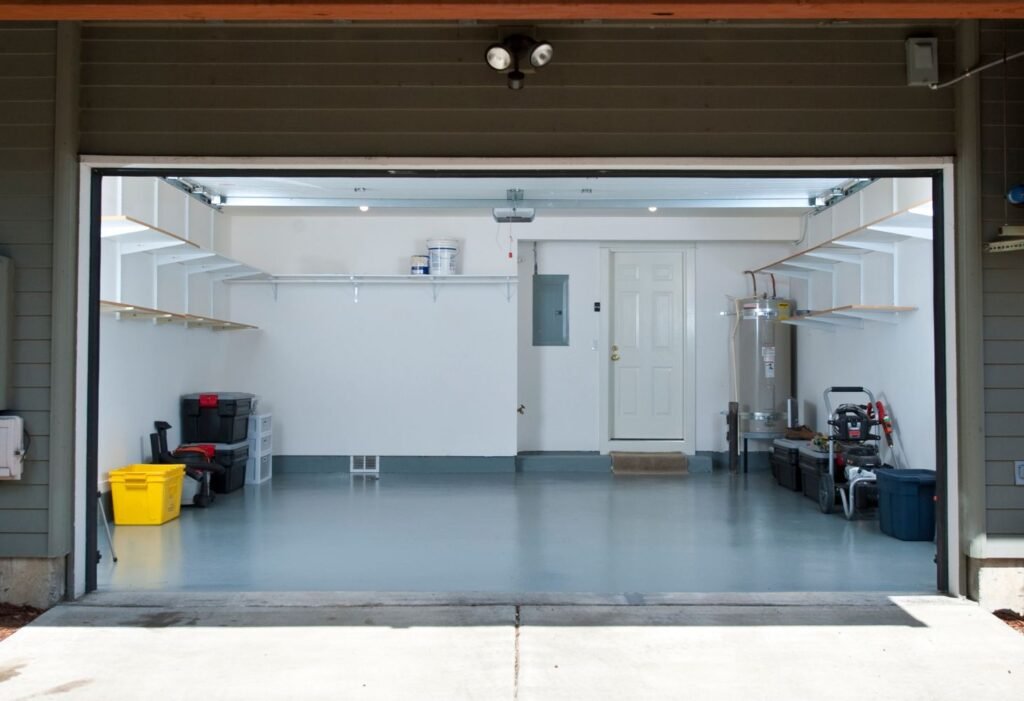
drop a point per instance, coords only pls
(144, 369)
(465, 341)
(395, 373)
(340, 381)
(560, 385)
(895, 361)
(375, 243)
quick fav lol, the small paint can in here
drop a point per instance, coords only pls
(419, 265)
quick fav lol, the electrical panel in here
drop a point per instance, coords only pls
(6, 329)
(12, 450)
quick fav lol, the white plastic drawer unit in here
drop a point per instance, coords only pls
(266, 443)
(259, 469)
(260, 424)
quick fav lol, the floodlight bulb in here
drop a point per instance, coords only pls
(498, 57)
(364, 208)
(541, 54)
(652, 208)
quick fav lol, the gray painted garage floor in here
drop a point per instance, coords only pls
(792, 647)
(523, 532)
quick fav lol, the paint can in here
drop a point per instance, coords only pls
(419, 265)
(443, 255)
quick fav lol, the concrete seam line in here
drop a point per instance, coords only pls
(515, 668)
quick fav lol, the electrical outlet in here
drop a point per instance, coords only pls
(1018, 473)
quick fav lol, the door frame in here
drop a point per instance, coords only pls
(688, 445)
(939, 168)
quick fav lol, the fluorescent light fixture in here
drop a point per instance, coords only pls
(364, 208)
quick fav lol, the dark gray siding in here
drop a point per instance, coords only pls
(1003, 279)
(26, 218)
(363, 90)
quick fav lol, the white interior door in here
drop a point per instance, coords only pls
(647, 328)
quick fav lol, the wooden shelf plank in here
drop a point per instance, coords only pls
(871, 308)
(134, 311)
(144, 228)
(864, 230)
(171, 249)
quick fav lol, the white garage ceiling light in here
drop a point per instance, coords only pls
(762, 196)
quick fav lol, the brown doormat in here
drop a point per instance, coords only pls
(649, 463)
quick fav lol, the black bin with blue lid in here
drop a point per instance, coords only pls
(906, 503)
(215, 417)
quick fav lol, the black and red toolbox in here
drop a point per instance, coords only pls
(216, 417)
(232, 457)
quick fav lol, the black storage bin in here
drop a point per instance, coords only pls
(812, 466)
(233, 459)
(786, 463)
(215, 417)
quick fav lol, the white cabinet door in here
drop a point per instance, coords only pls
(647, 345)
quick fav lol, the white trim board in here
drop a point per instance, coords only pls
(679, 165)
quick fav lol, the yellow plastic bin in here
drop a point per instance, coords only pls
(146, 495)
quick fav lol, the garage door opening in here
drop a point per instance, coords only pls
(591, 325)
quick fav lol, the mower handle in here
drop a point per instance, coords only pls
(844, 389)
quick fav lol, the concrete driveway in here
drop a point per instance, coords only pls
(416, 646)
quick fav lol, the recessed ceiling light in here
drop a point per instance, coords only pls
(652, 208)
(364, 208)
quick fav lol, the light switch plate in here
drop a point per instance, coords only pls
(1018, 473)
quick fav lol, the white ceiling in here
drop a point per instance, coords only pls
(780, 196)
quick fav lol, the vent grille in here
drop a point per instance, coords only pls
(364, 465)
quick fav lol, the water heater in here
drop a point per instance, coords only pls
(763, 357)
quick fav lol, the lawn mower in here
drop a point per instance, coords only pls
(853, 447)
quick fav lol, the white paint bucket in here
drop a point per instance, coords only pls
(443, 255)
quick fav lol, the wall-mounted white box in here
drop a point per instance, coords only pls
(922, 61)
(12, 451)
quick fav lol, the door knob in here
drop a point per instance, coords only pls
(615, 353)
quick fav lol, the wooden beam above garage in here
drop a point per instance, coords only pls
(507, 10)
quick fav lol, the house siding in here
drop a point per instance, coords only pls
(27, 81)
(424, 90)
(1003, 279)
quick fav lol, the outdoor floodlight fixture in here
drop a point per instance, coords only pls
(518, 55)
